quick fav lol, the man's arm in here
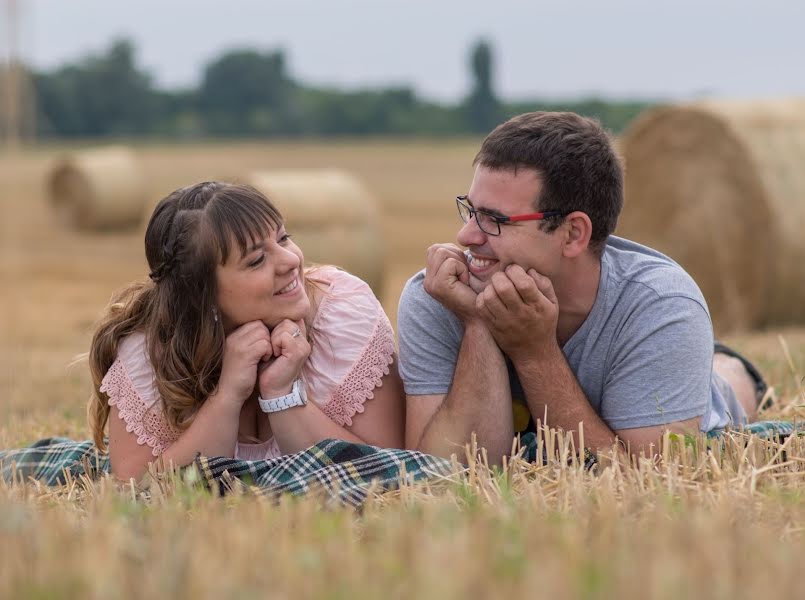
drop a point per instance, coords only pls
(553, 393)
(551, 389)
(521, 311)
(479, 401)
(454, 373)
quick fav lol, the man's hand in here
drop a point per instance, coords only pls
(447, 279)
(521, 311)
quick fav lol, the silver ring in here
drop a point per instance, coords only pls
(296, 333)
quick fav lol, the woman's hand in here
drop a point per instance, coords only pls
(290, 350)
(244, 350)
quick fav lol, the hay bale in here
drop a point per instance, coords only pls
(720, 187)
(331, 216)
(101, 188)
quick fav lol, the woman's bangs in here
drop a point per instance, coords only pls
(245, 220)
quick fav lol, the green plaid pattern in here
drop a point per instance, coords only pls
(343, 471)
(52, 460)
(768, 430)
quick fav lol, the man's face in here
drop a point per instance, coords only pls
(504, 193)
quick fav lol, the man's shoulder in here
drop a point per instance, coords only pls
(413, 292)
(641, 270)
(414, 296)
(416, 304)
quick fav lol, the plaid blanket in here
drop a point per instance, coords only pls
(343, 471)
(771, 429)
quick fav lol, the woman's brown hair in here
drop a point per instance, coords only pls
(188, 235)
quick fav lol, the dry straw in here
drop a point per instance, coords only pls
(723, 522)
(332, 217)
(720, 187)
(100, 188)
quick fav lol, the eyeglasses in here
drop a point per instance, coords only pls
(490, 224)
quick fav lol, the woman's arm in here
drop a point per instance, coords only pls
(380, 424)
(214, 432)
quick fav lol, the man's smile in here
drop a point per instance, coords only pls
(479, 265)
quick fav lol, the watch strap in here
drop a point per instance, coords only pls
(297, 397)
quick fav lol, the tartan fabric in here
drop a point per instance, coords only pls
(768, 429)
(51, 460)
(345, 472)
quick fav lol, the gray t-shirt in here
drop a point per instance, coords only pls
(643, 356)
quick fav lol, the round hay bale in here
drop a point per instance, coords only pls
(98, 189)
(331, 216)
(719, 186)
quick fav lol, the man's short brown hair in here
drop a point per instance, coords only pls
(576, 162)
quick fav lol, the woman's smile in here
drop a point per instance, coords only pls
(289, 289)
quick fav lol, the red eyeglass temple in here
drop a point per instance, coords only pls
(533, 216)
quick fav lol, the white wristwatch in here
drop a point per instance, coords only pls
(297, 397)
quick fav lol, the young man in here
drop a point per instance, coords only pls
(548, 316)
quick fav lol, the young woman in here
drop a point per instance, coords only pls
(233, 348)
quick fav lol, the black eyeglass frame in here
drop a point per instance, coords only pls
(462, 203)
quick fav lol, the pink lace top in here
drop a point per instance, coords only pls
(352, 348)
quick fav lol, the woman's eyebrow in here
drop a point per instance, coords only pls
(255, 246)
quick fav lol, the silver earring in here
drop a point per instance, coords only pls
(215, 314)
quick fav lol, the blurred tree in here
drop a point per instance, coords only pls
(245, 92)
(101, 95)
(249, 93)
(482, 107)
(362, 112)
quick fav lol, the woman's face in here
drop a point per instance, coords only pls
(264, 284)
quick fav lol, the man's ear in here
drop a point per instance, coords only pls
(579, 230)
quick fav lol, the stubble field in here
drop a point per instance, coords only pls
(721, 525)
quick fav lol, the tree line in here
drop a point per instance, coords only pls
(250, 93)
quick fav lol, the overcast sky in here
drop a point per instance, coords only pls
(566, 48)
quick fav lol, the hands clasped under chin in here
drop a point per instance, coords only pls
(290, 350)
(519, 308)
(270, 359)
(447, 279)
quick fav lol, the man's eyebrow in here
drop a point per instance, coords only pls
(489, 211)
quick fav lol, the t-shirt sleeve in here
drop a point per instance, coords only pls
(353, 348)
(660, 365)
(129, 384)
(430, 338)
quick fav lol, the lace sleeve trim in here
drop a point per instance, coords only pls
(365, 376)
(148, 425)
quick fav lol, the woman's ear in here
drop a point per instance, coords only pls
(579, 232)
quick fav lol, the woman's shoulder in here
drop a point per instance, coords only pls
(335, 281)
(353, 346)
(132, 361)
(132, 348)
(347, 318)
(130, 384)
(342, 292)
